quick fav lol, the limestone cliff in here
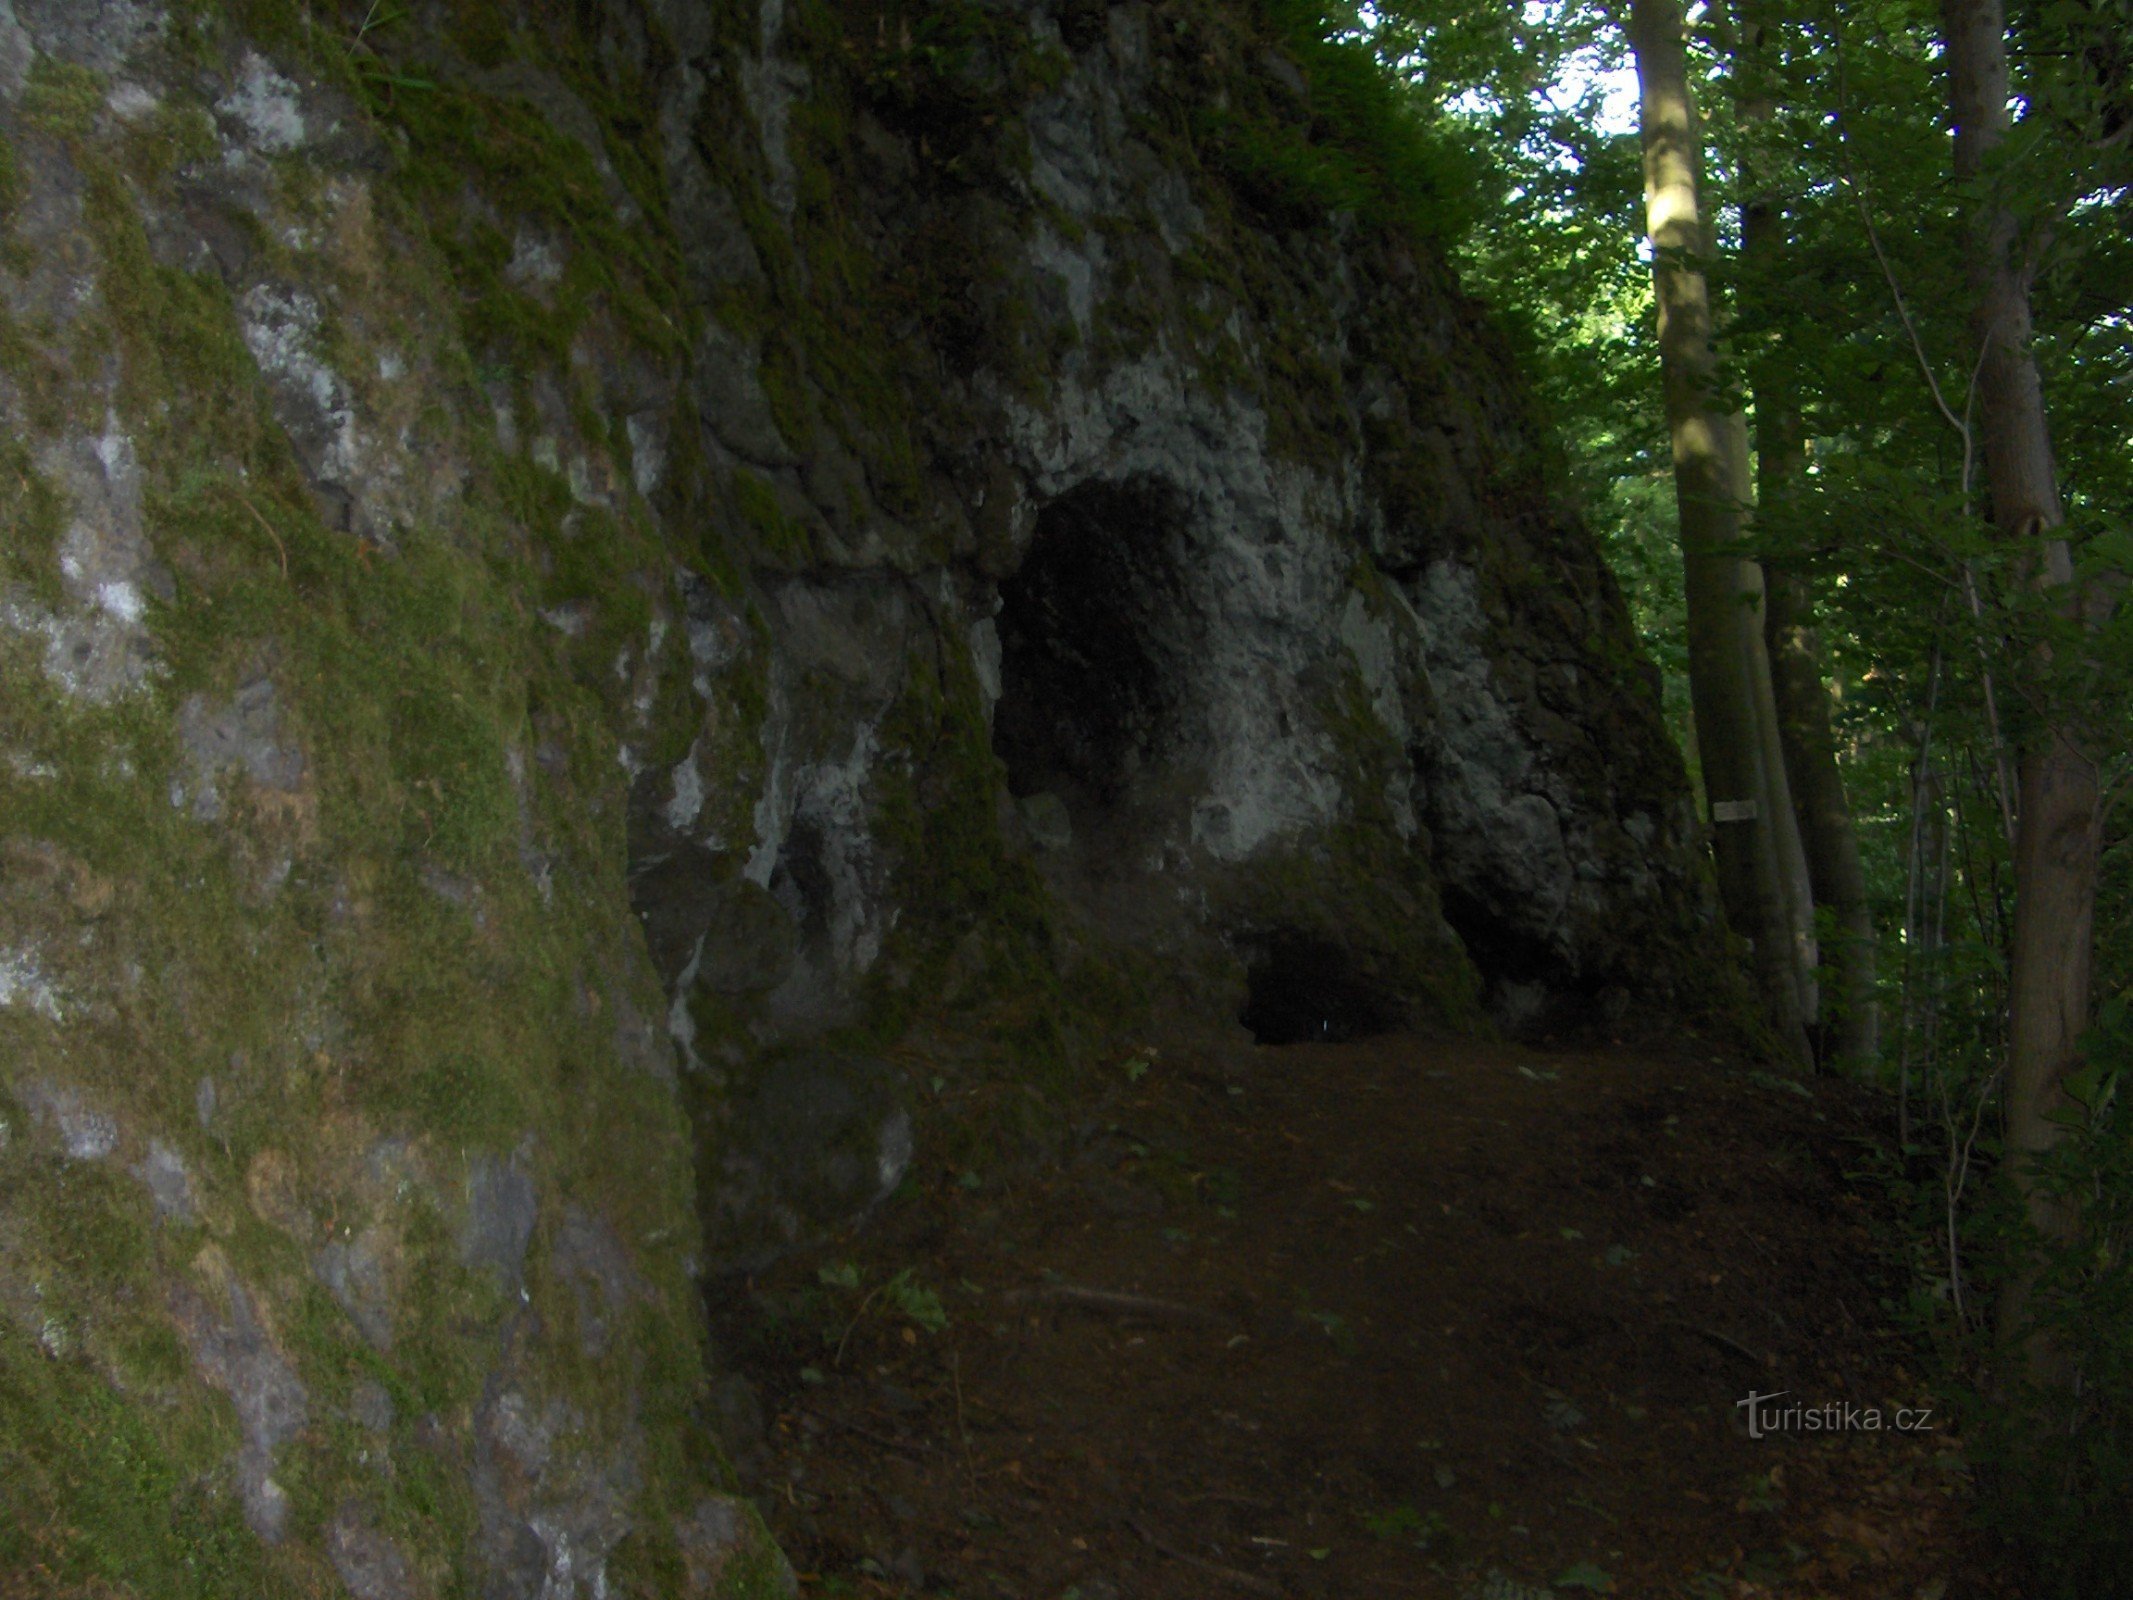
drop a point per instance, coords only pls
(576, 573)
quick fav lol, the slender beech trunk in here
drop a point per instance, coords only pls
(1722, 590)
(2059, 823)
(1849, 1010)
(1851, 1006)
(1785, 838)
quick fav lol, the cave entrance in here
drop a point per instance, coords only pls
(1302, 989)
(1091, 643)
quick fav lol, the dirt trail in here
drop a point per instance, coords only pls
(1399, 1317)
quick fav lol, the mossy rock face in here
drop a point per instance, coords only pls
(544, 546)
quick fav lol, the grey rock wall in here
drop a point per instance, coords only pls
(584, 585)
(1211, 646)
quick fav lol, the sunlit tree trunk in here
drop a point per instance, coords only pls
(1849, 1010)
(1723, 591)
(2059, 824)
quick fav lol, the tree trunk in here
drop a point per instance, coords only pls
(1785, 840)
(1848, 1013)
(1851, 1007)
(2059, 825)
(1722, 590)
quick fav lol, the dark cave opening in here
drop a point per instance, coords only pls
(1302, 989)
(1087, 625)
(1502, 952)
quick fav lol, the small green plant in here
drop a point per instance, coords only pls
(378, 16)
(917, 1302)
(1762, 1493)
(378, 78)
(903, 1292)
(1397, 1523)
(1404, 1522)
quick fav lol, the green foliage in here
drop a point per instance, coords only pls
(2059, 1457)
(950, 71)
(1950, 665)
(1943, 661)
(1403, 1523)
(903, 1292)
(1361, 143)
(915, 1301)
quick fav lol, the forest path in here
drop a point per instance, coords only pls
(1396, 1317)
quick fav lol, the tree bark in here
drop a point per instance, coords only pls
(1785, 839)
(1851, 1007)
(1848, 1014)
(1723, 591)
(2058, 829)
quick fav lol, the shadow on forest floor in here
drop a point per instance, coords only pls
(1401, 1317)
